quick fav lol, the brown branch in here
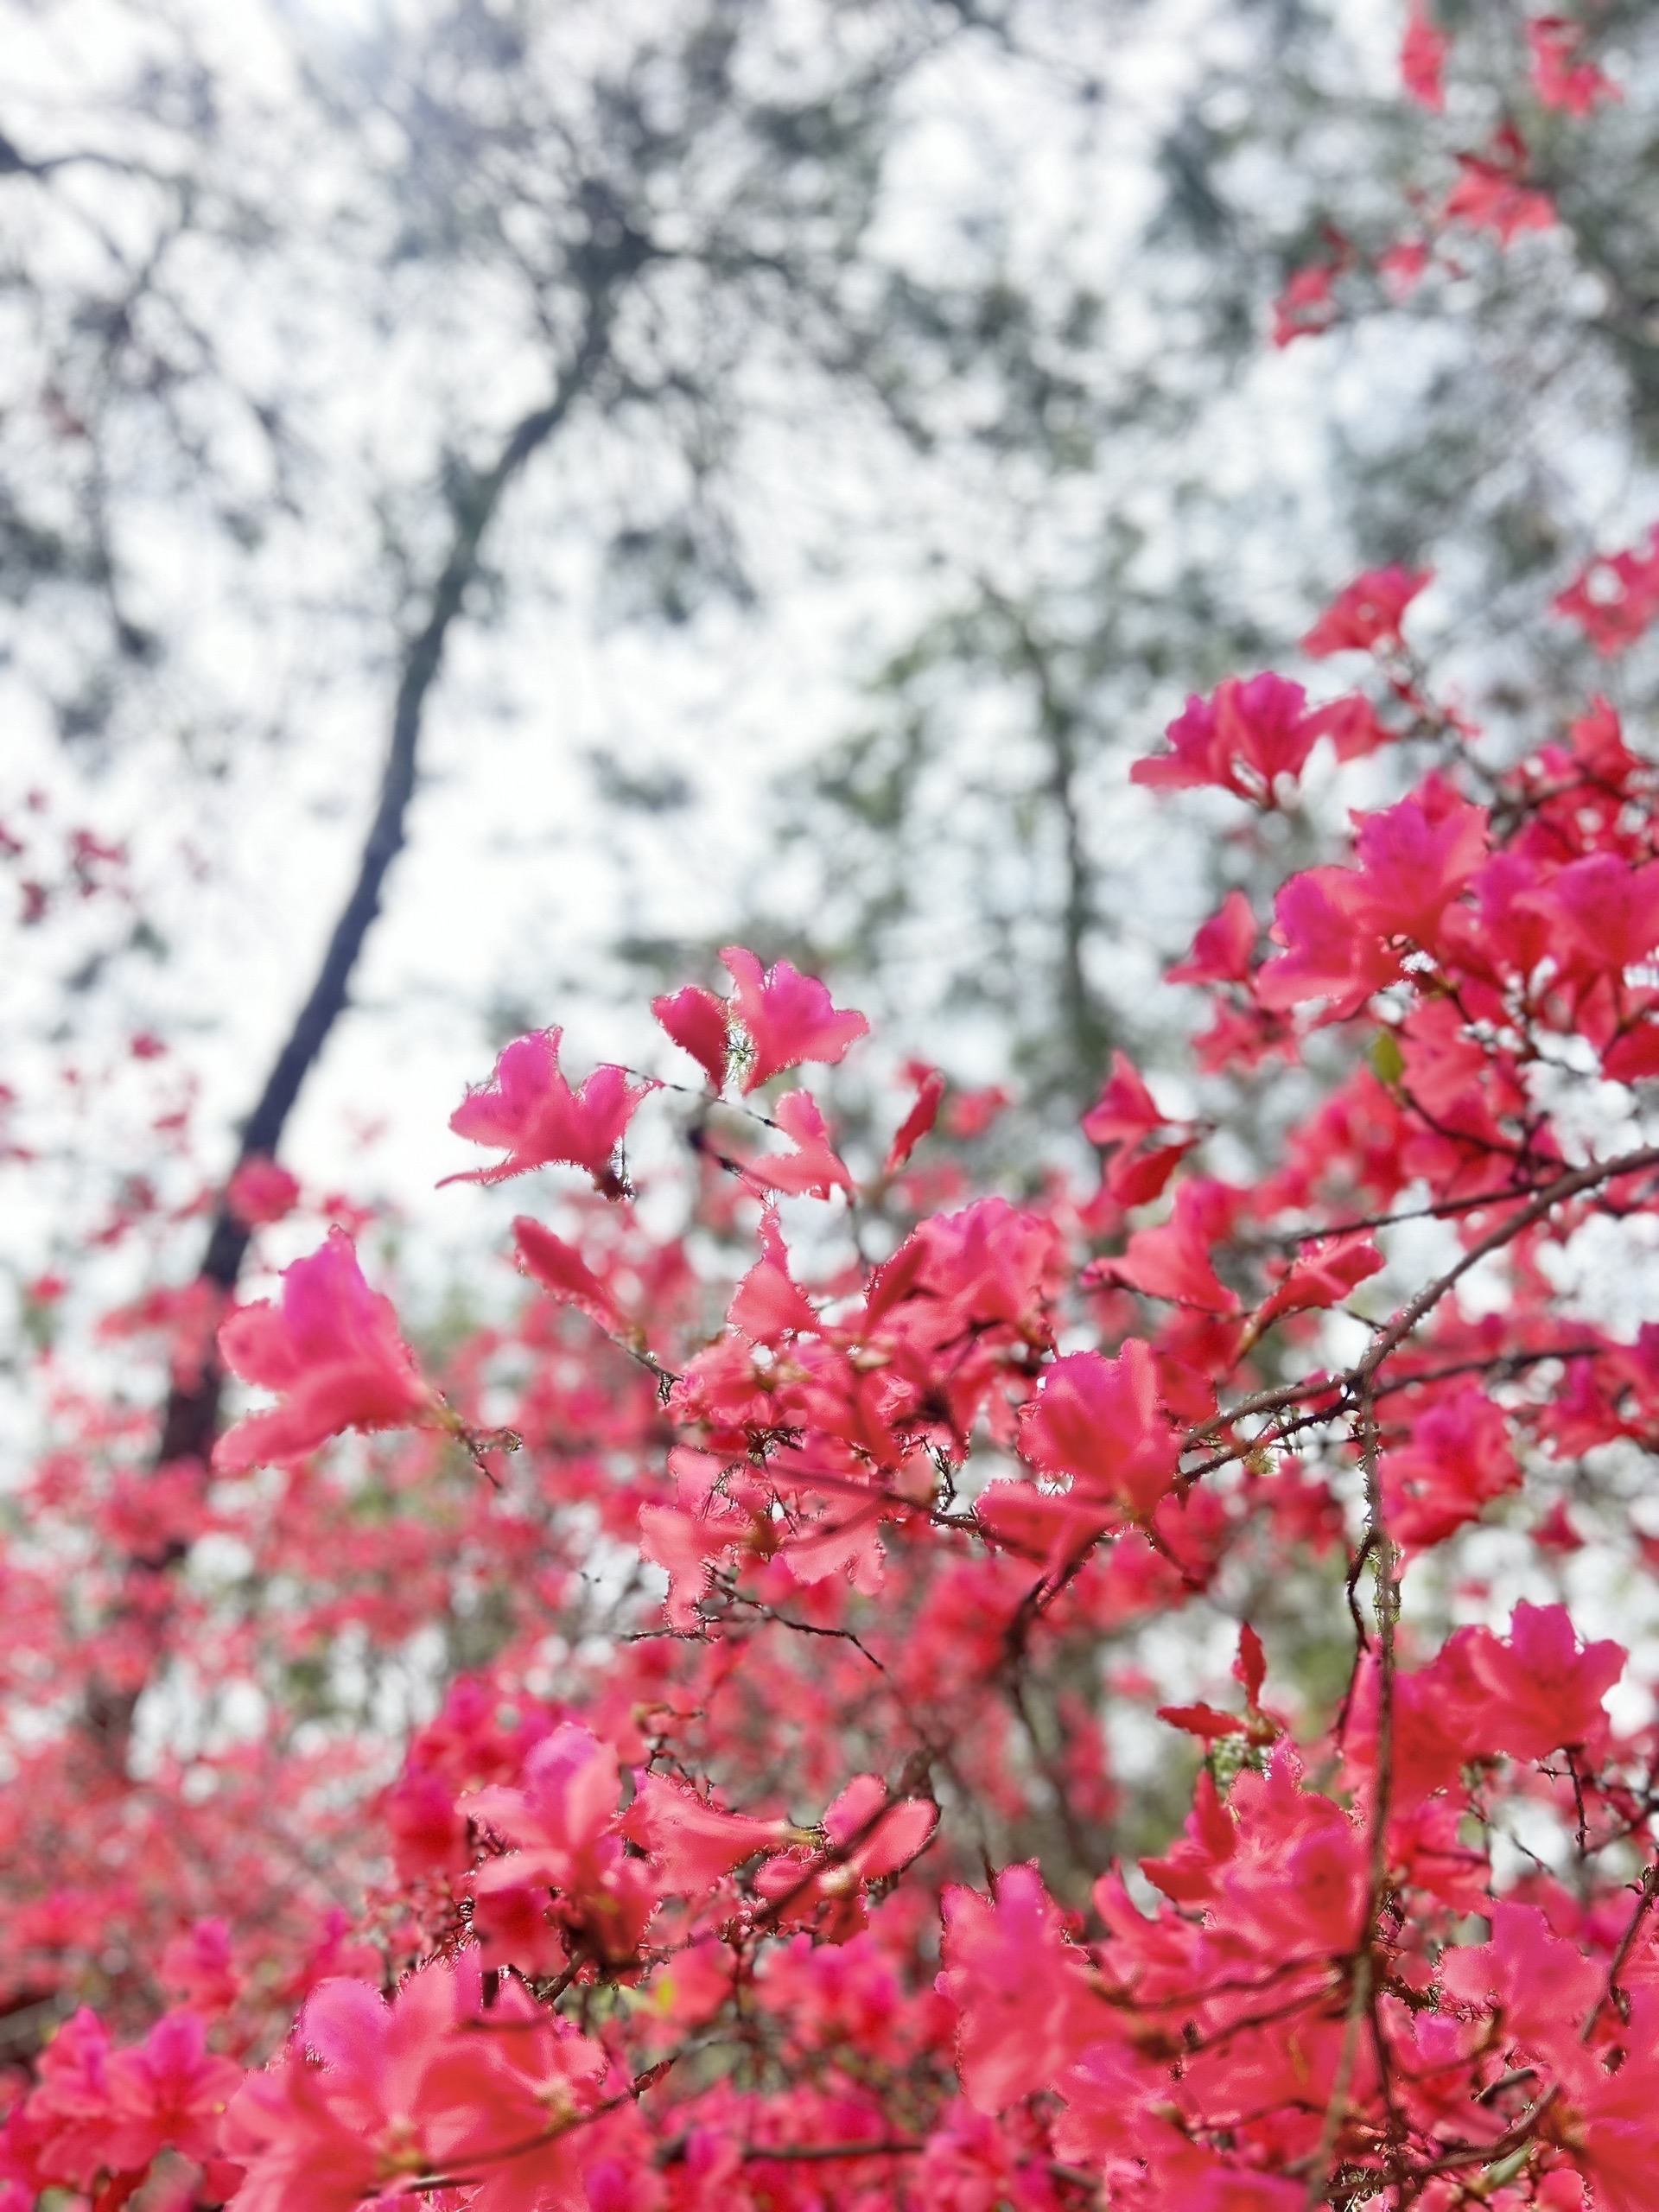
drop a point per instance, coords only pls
(192, 1414)
(1500, 1366)
(895, 2146)
(1648, 1891)
(1378, 1543)
(1393, 1333)
(15, 162)
(1441, 1210)
(769, 1614)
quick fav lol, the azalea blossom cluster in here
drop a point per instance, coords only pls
(1491, 191)
(796, 1534)
(762, 1897)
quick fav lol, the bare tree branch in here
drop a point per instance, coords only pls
(192, 1414)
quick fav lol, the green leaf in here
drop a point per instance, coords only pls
(1387, 1058)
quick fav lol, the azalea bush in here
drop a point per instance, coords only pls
(658, 1746)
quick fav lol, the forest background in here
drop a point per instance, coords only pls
(917, 450)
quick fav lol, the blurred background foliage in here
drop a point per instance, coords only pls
(896, 444)
(765, 469)
(771, 467)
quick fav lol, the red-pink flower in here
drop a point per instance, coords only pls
(428, 1834)
(563, 1822)
(332, 1350)
(1123, 1120)
(1221, 952)
(561, 1271)
(867, 1836)
(1457, 1456)
(1098, 1421)
(1322, 1274)
(564, 1818)
(1368, 614)
(812, 1166)
(929, 1091)
(769, 1304)
(529, 1110)
(1615, 597)
(1493, 194)
(1126, 1110)
(1603, 913)
(1353, 725)
(696, 1019)
(1401, 266)
(1339, 924)
(368, 2096)
(1560, 80)
(685, 1539)
(68, 2115)
(508, 2105)
(775, 1018)
(1540, 1987)
(973, 1112)
(1243, 740)
(261, 1192)
(200, 1967)
(786, 1017)
(168, 2092)
(1613, 2118)
(102, 2111)
(692, 1843)
(1172, 1260)
(1422, 59)
(1538, 1690)
(1307, 305)
(1025, 2005)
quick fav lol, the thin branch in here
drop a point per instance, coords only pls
(1648, 1891)
(805, 2153)
(1380, 1545)
(1393, 1333)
